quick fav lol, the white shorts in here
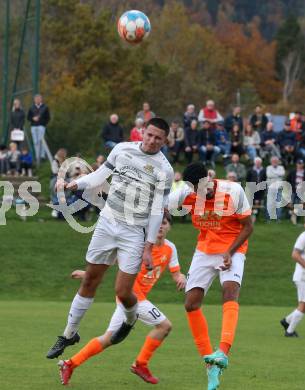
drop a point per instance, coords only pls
(117, 242)
(149, 314)
(301, 291)
(204, 269)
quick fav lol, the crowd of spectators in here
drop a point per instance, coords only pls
(249, 149)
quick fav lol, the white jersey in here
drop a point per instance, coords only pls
(140, 183)
(299, 273)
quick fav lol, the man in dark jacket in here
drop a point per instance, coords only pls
(259, 120)
(39, 117)
(191, 140)
(208, 151)
(113, 132)
(269, 141)
(287, 142)
(234, 119)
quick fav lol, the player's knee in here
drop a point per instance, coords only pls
(192, 305)
(166, 327)
(90, 282)
(231, 292)
(126, 296)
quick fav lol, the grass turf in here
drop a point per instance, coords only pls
(38, 255)
(261, 358)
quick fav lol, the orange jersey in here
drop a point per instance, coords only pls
(218, 219)
(163, 256)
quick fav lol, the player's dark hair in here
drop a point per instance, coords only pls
(159, 123)
(168, 217)
(194, 172)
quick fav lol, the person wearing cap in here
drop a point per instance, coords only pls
(295, 178)
(287, 142)
(222, 139)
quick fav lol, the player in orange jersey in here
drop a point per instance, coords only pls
(221, 213)
(164, 254)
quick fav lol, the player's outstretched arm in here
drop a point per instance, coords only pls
(78, 274)
(179, 279)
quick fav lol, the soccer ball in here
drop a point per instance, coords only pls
(134, 26)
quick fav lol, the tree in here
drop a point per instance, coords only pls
(290, 55)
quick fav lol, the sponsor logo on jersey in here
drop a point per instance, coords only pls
(149, 168)
(130, 171)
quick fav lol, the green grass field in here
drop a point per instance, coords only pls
(261, 358)
(37, 257)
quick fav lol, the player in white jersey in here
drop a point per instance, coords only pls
(291, 321)
(127, 227)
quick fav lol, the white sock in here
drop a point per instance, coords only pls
(289, 317)
(78, 309)
(297, 317)
(130, 313)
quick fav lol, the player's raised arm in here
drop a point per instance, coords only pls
(97, 178)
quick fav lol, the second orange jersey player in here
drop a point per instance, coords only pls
(164, 255)
(221, 213)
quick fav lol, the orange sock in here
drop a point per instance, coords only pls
(229, 324)
(92, 348)
(147, 350)
(199, 328)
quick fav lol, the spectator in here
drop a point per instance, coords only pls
(209, 113)
(257, 174)
(236, 140)
(259, 120)
(237, 167)
(136, 133)
(297, 125)
(208, 151)
(231, 176)
(191, 140)
(275, 173)
(17, 120)
(295, 178)
(13, 157)
(113, 132)
(3, 160)
(146, 114)
(189, 116)
(222, 140)
(39, 117)
(287, 143)
(252, 142)
(100, 159)
(26, 162)
(234, 119)
(175, 140)
(269, 141)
